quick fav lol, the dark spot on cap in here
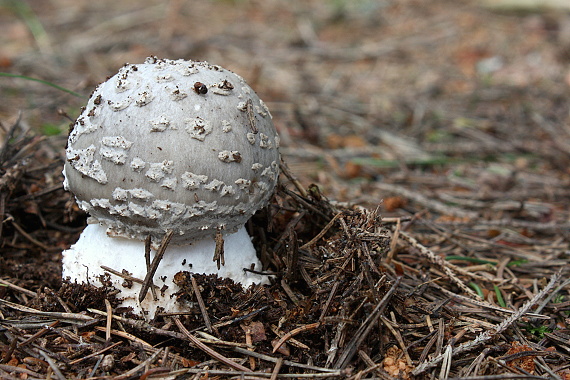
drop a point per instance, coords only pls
(200, 88)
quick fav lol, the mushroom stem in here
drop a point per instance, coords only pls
(82, 263)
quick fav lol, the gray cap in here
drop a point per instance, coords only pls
(172, 145)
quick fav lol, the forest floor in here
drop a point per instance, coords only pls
(422, 229)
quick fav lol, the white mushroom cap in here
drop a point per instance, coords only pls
(172, 145)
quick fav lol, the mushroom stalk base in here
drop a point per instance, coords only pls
(82, 264)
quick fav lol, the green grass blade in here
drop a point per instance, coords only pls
(477, 289)
(26, 13)
(500, 299)
(470, 259)
(43, 82)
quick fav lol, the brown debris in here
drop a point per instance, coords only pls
(395, 365)
(520, 356)
(335, 308)
(351, 294)
(420, 230)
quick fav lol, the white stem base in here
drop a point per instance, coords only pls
(82, 263)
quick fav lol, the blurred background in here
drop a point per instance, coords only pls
(377, 101)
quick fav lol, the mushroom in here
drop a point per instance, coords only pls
(168, 148)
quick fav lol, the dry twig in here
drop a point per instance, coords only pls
(208, 350)
(489, 334)
(147, 282)
(352, 347)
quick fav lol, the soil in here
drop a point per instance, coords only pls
(420, 229)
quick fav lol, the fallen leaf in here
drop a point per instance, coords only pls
(525, 363)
